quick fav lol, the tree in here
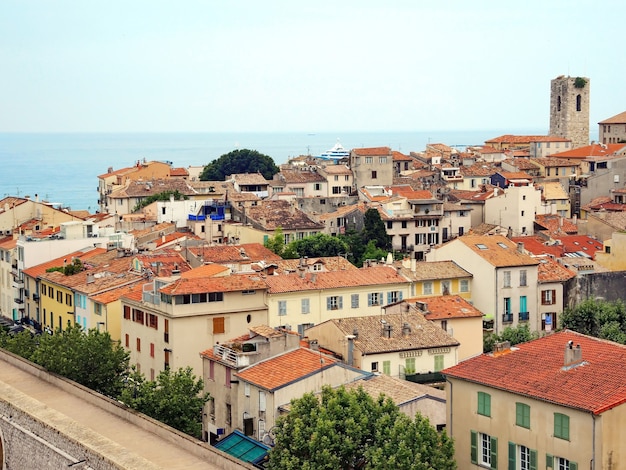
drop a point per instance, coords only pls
(599, 318)
(373, 252)
(350, 430)
(23, 343)
(239, 161)
(517, 335)
(276, 243)
(374, 229)
(90, 358)
(175, 398)
(320, 244)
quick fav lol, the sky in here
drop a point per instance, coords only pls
(274, 66)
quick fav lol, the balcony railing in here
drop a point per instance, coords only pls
(507, 318)
(236, 358)
(523, 316)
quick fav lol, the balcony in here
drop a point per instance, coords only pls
(523, 316)
(507, 318)
(234, 357)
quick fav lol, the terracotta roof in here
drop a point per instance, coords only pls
(540, 246)
(342, 211)
(373, 151)
(330, 263)
(273, 214)
(423, 334)
(554, 190)
(179, 172)
(336, 170)
(248, 179)
(38, 270)
(526, 139)
(444, 307)
(146, 188)
(408, 192)
(284, 369)
(536, 369)
(225, 254)
(206, 270)
(478, 169)
(430, 270)
(551, 271)
(400, 391)
(8, 243)
(584, 243)
(163, 262)
(117, 293)
(473, 196)
(400, 157)
(555, 224)
(604, 203)
(377, 275)
(499, 250)
(616, 220)
(593, 150)
(232, 283)
(515, 175)
(523, 163)
(553, 162)
(297, 176)
(617, 119)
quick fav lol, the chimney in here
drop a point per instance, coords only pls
(355, 333)
(314, 345)
(313, 278)
(520, 247)
(350, 339)
(90, 279)
(413, 265)
(406, 329)
(406, 262)
(573, 355)
(386, 330)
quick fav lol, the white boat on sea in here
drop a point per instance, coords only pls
(336, 153)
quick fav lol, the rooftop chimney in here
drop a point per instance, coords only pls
(387, 330)
(520, 247)
(573, 355)
(406, 329)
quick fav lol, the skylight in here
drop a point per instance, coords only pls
(502, 245)
(480, 246)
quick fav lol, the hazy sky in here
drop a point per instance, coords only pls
(210, 66)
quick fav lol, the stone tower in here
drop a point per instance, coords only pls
(569, 109)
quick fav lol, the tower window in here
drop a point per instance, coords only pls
(558, 103)
(578, 102)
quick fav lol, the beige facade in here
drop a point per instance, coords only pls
(614, 255)
(514, 209)
(172, 333)
(372, 166)
(613, 129)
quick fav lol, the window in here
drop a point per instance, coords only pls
(522, 278)
(523, 308)
(507, 316)
(127, 341)
(227, 378)
(318, 187)
(374, 298)
(369, 159)
(438, 363)
(334, 302)
(374, 367)
(151, 349)
(97, 309)
(409, 365)
(507, 279)
(248, 292)
(387, 367)
(354, 300)
(484, 404)
(390, 224)
(68, 299)
(218, 325)
(229, 413)
(138, 344)
(464, 285)
(560, 463)
(561, 426)
(548, 297)
(282, 308)
(548, 320)
(394, 296)
(484, 449)
(522, 415)
(427, 288)
(521, 457)
(126, 312)
(445, 287)
(382, 160)
(153, 321)
(404, 224)
(304, 305)
(59, 296)
(216, 296)
(211, 370)
(374, 174)
(137, 315)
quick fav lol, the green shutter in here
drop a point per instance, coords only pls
(549, 461)
(494, 452)
(484, 404)
(474, 447)
(573, 466)
(561, 426)
(512, 449)
(533, 460)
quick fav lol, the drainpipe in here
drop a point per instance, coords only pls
(451, 412)
(592, 464)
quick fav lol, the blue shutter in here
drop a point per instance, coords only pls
(400, 295)
(388, 297)
(340, 301)
(328, 307)
(369, 300)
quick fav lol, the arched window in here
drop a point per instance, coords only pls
(558, 103)
(579, 101)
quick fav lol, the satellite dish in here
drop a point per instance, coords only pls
(267, 439)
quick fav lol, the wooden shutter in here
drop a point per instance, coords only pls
(533, 460)
(549, 461)
(512, 449)
(494, 453)
(474, 447)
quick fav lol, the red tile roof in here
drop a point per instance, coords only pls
(206, 270)
(525, 139)
(233, 283)
(584, 243)
(444, 307)
(556, 224)
(377, 275)
(244, 253)
(375, 151)
(593, 150)
(287, 368)
(617, 119)
(399, 156)
(539, 246)
(551, 271)
(536, 370)
(38, 270)
(499, 250)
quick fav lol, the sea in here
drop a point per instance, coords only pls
(63, 168)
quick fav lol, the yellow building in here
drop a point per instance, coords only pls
(554, 403)
(435, 278)
(614, 255)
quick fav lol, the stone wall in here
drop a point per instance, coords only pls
(608, 286)
(565, 120)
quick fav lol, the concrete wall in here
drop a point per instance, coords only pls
(608, 286)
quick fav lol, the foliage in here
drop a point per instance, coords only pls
(372, 252)
(239, 161)
(314, 246)
(175, 398)
(580, 82)
(599, 318)
(374, 229)
(276, 243)
(90, 358)
(74, 267)
(350, 430)
(517, 335)
(162, 196)
(23, 343)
